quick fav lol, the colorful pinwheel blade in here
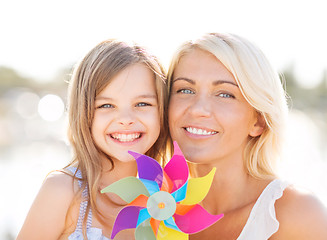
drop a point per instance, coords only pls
(140, 201)
(183, 209)
(170, 222)
(148, 168)
(143, 215)
(177, 168)
(144, 231)
(150, 185)
(126, 218)
(167, 184)
(155, 225)
(127, 188)
(196, 220)
(180, 193)
(166, 233)
(198, 188)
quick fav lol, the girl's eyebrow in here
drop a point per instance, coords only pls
(147, 96)
(103, 98)
(140, 96)
(215, 83)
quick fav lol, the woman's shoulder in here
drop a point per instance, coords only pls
(301, 215)
(50, 207)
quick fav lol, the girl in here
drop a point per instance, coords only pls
(227, 110)
(116, 103)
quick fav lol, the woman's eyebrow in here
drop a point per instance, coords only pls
(184, 79)
(218, 82)
(215, 83)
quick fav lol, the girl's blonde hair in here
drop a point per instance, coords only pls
(89, 78)
(261, 87)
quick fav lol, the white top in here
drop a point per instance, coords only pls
(262, 222)
(91, 232)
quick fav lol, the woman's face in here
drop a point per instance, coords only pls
(126, 114)
(208, 115)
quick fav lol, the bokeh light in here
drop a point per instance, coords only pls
(51, 107)
(26, 105)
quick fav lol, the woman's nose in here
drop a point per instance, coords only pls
(201, 107)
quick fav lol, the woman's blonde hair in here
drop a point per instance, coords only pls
(261, 87)
(89, 78)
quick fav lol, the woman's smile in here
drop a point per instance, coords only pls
(200, 131)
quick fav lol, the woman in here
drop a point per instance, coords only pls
(227, 110)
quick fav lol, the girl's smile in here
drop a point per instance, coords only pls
(126, 137)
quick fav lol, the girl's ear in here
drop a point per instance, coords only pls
(259, 126)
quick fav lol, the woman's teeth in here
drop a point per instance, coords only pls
(125, 137)
(199, 131)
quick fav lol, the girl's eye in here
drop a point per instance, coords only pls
(185, 91)
(226, 95)
(107, 105)
(143, 104)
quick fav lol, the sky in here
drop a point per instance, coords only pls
(39, 37)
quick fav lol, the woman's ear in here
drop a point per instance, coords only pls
(259, 126)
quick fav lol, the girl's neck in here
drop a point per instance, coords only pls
(110, 175)
(119, 171)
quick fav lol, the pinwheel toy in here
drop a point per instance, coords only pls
(162, 203)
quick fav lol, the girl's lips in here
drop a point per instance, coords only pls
(200, 131)
(125, 137)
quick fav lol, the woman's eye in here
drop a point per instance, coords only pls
(107, 105)
(226, 95)
(143, 104)
(185, 91)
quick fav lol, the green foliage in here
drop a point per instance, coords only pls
(306, 98)
(10, 78)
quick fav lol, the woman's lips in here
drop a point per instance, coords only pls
(200, 131)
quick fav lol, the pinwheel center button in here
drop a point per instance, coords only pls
(161, 205)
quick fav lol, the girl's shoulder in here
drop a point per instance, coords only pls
(51, 207)
(301, 215)
(61, 181)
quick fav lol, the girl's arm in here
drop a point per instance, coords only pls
(301, 216)
(47, 217)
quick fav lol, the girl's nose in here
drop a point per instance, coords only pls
(126, 118)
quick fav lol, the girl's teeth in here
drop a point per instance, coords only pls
(199, 131)
(126, 137)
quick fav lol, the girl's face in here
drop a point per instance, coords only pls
(126, 114)
(208, 115)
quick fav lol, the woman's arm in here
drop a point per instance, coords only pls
(47, 217)
(301, 216)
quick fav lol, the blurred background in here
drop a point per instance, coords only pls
(42, 40)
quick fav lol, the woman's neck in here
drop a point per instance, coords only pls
(231, 188)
